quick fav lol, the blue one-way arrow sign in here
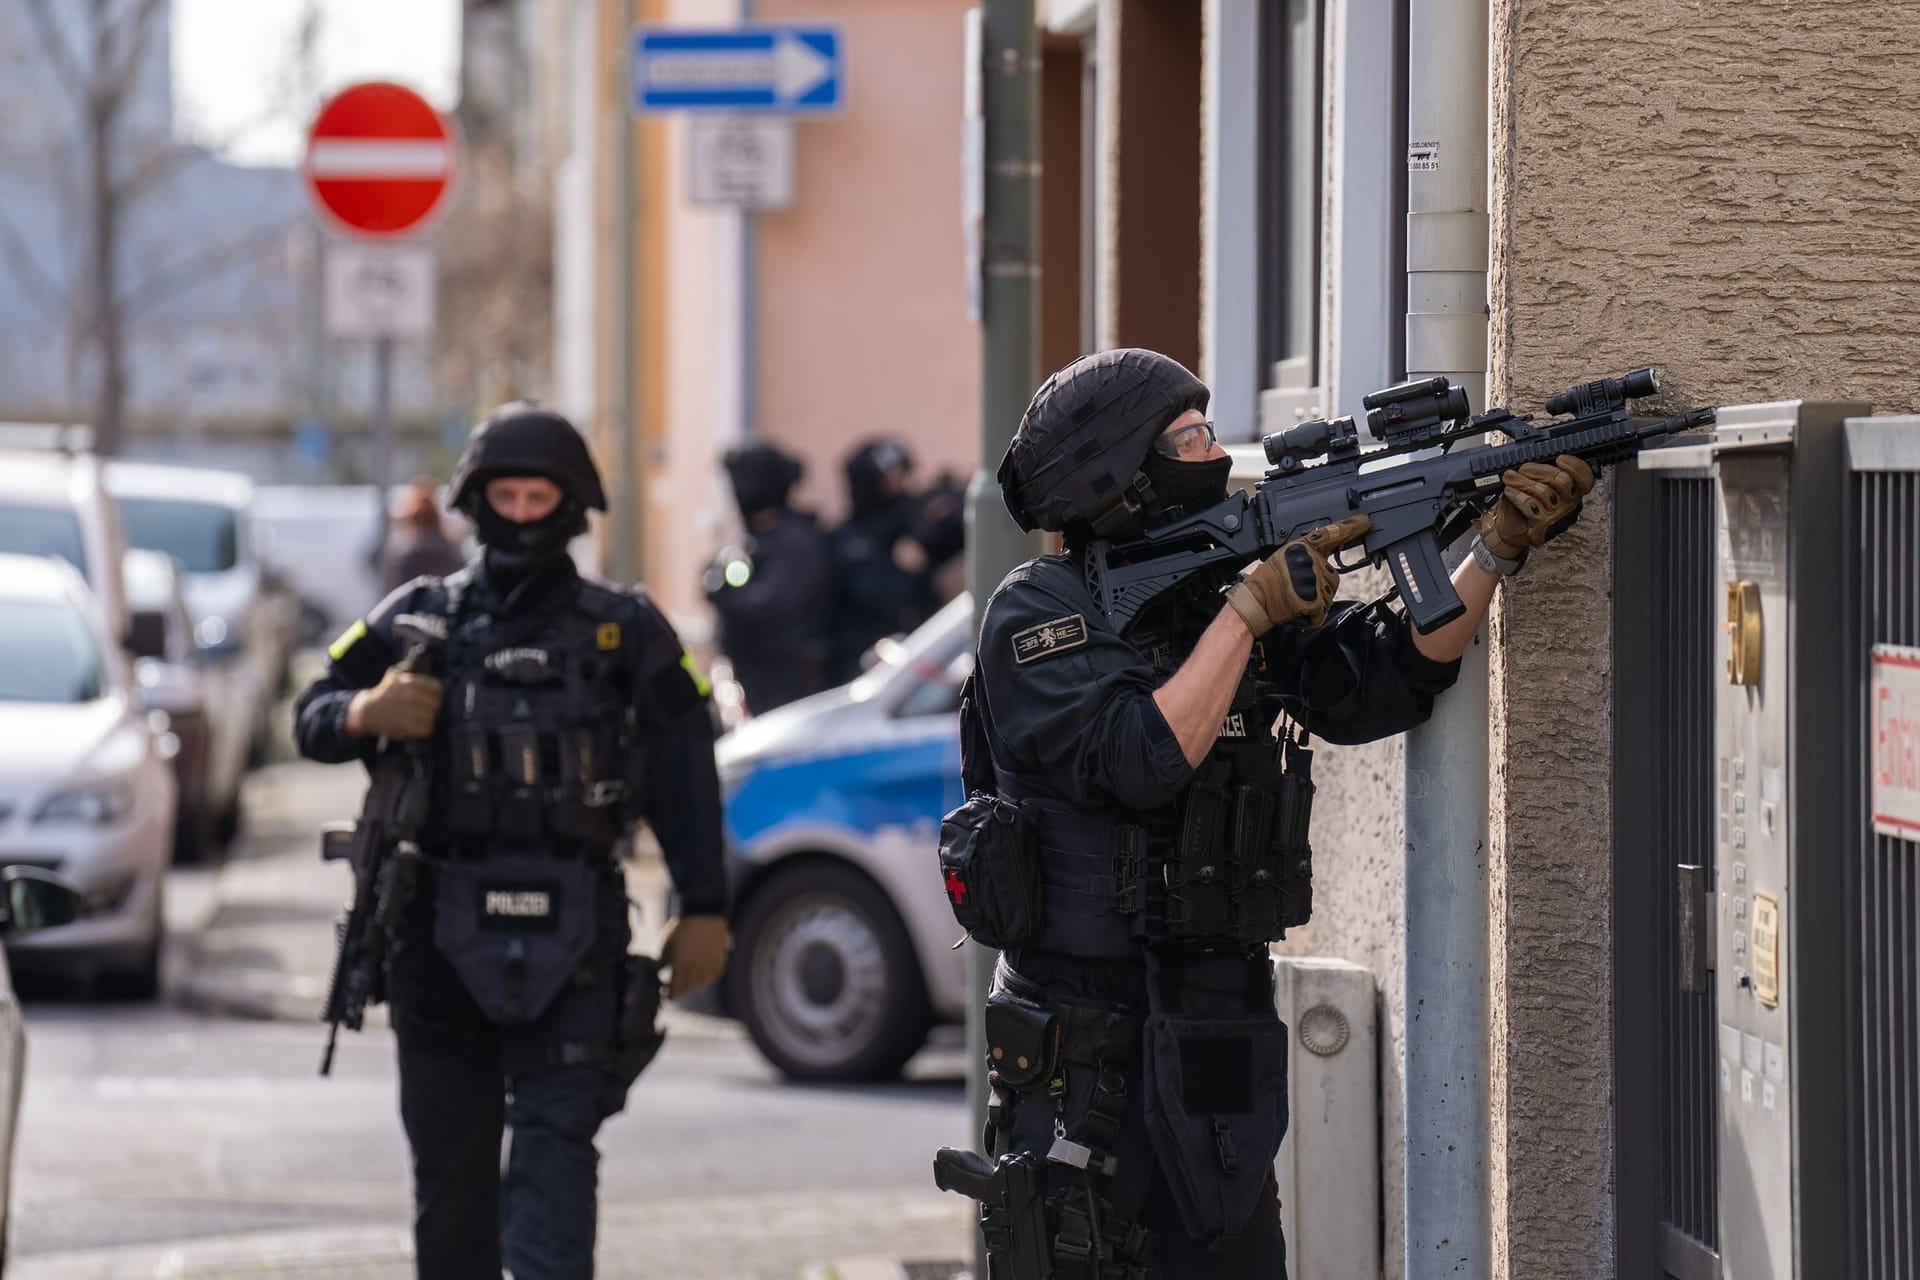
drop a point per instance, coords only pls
(756, 68)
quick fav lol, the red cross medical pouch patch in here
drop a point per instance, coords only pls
(989, 868)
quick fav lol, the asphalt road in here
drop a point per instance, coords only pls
(157, 1141)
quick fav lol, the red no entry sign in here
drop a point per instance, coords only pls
(380, 160)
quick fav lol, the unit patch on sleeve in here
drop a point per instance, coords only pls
(1050, 638)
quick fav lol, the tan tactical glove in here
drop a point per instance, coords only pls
(695, 949)
(1539, 503)
(401, 707)
(1296, 581)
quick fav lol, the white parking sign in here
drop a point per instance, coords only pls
(1893, 741)
(379, 292)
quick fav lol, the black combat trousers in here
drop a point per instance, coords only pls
(1139, 1189)
(465, 1081)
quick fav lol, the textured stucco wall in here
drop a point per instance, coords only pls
(1359, 887)
(1728, 191)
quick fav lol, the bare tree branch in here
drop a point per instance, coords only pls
(21, 257)
(155, 167)
(116, 70)
(176, 277)
(67, 69)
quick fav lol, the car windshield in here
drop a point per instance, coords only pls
(47, 653)
(201, 535)
(43, 531)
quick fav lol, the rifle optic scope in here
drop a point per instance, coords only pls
(1310, 439)
(1605, 395)
(1424, 401)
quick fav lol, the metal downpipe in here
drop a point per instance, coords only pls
(1448, 1106)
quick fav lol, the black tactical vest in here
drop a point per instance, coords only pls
(534, 747)
(1228, 864)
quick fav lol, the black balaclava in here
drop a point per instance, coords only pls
(515, 550)
(1188, 486)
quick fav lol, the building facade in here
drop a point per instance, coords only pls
(1723, 193)
(816, 326)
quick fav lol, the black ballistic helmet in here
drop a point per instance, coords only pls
(524, 439)
(762, 476)
(867, 470)
(1076, 457)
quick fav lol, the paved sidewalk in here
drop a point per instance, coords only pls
(739, 1238)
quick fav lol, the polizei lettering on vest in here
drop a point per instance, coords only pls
(501, 659)
(519, 903)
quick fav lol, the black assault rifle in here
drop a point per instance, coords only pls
(1417, 504)
(380, 849)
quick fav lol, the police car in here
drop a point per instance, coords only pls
(843, 953)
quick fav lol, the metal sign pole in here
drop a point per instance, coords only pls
(625, 561)
(1009, 371)
(380, 465)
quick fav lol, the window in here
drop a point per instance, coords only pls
(43, 531)
(47, 653)
(202, 536)
(1292, 120)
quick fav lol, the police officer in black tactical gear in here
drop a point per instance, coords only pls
(1136, 833)
(774, 594)
(566, 710)
(880, 570)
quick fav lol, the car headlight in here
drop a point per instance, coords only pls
(95, 805)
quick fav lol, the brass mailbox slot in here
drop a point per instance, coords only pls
(1743, 633)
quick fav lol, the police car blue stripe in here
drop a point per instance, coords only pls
(896, 785)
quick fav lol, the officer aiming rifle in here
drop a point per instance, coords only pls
(1134, 748)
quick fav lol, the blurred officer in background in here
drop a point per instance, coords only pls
(418, 546)
(939, 525)
(773, 594)
(565, 710)
(880, 570)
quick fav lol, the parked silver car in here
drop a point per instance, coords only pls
(53, 503)
(86, 788)
(30, 899)
(202, 518)
(167, 668)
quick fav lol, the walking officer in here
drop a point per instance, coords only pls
(1156, 783)
(565, 709)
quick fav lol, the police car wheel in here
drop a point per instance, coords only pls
(824, 976)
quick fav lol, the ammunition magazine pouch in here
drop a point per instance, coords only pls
(515, 929)
(1241, 868)
(1235, 871)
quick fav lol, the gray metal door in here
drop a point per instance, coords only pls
(1882, 1115)
(1665, 1060)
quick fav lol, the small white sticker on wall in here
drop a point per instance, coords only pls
(1423, 157)
(1766, 1095)
(1746, 1086)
